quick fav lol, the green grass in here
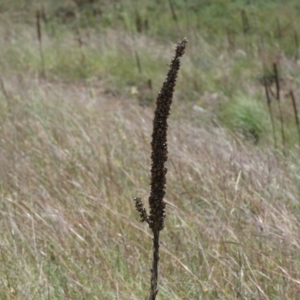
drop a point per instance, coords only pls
(248, 116)
(75, 151)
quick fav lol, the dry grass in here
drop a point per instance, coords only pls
(69, 169)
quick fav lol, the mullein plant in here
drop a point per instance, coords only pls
(159, 156)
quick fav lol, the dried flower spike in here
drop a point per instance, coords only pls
(159, 157)
(159, 143)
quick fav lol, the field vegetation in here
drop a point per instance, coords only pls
(78, 85)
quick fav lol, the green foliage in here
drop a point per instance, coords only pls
(246, 115)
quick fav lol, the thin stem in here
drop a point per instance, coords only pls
(270, 111)
(279, 106)
(39, 36)
(296, 114)
(296, 39)
(155, 262)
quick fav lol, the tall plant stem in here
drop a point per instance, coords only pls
(159, 157)
(155, 263)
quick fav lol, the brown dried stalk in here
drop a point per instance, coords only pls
(295, 113)
(159, 157)
(277, 83)
(245, 22)
(39, 36)
(296, 39)
(270, 110)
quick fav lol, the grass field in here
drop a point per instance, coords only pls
(77, 96)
